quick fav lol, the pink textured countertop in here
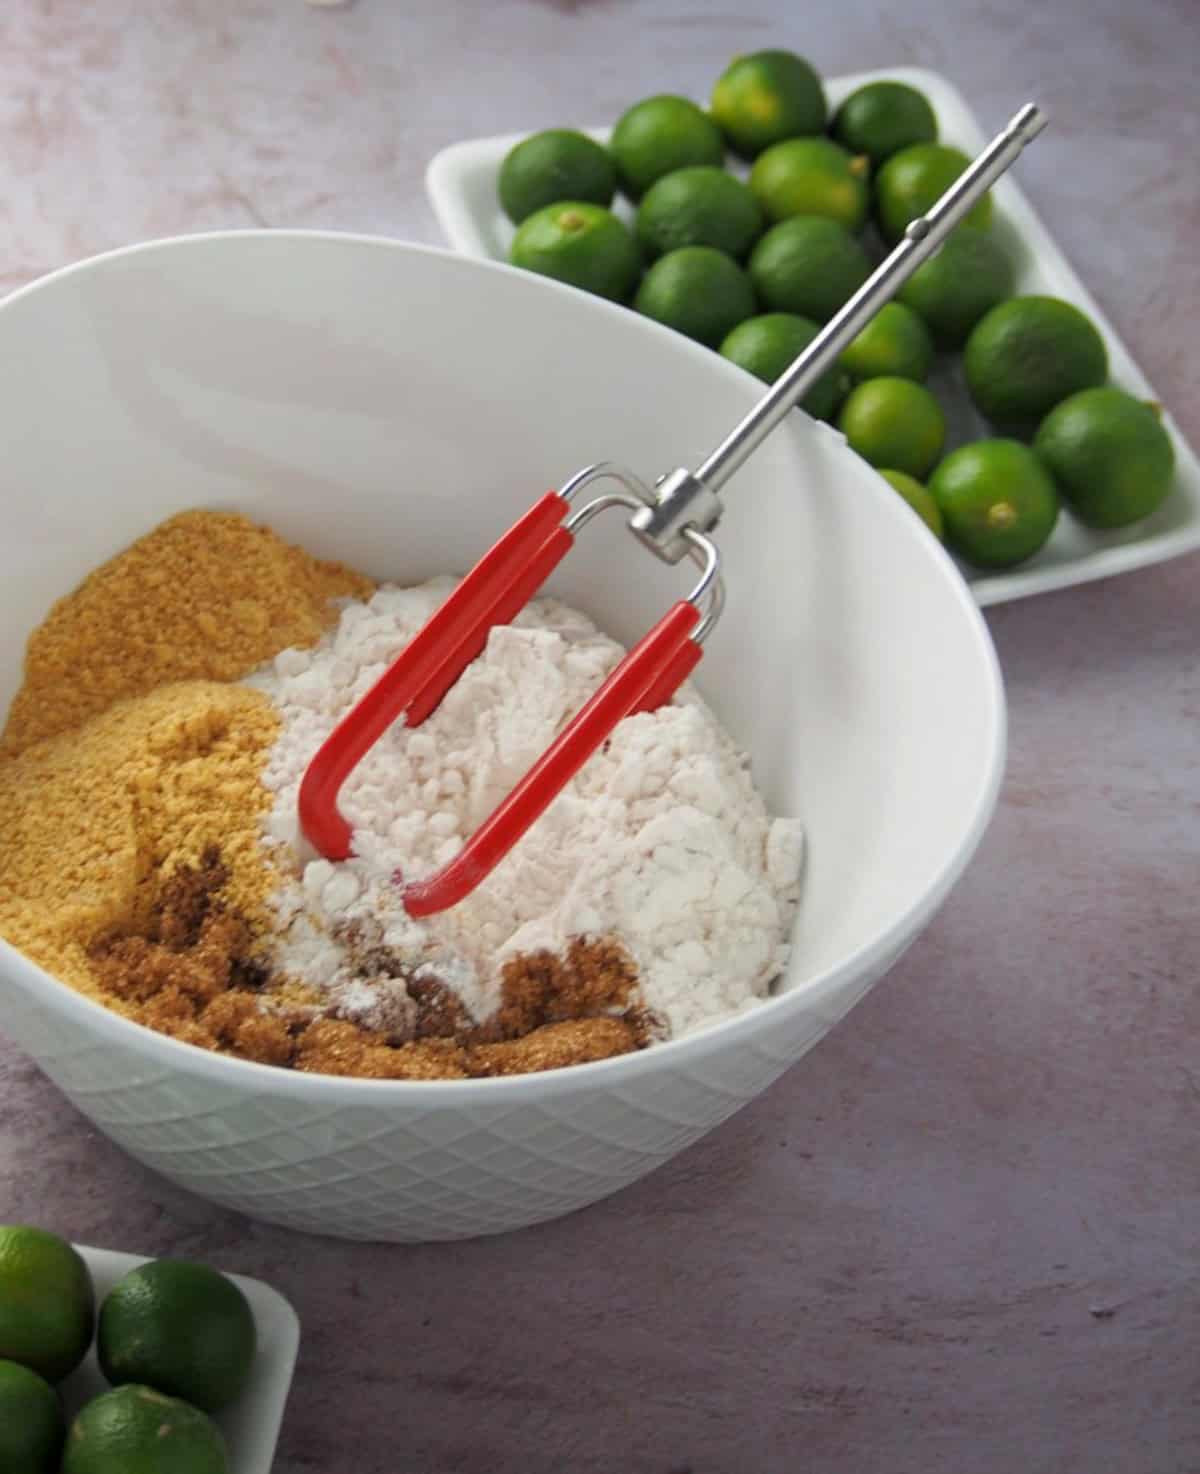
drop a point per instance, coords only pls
(963, 1235)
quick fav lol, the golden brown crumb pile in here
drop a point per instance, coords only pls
(131, 863)
(206, 596)
(127, 754)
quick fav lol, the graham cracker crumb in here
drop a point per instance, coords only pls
(205, 596)
(127, 754)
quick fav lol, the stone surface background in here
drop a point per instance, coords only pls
(963, 1234)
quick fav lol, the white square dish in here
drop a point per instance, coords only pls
(461, 183)
(251, 1425)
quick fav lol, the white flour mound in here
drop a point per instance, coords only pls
(661, 842)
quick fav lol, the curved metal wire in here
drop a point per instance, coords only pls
(577, 521)
(610, 470)
(708, 595)
(701, 549)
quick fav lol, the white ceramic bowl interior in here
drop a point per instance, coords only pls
(397, 407)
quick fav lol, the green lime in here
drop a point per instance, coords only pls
(47, 1305)
(760, 99)
(1109, 454)
(915, 179)
(812, 176)
(136, 1430)
(766, 346)
(582, 244)
(918, 498)
(700, 206)
(181, 1328)
(882, 118)
(967, 277)
(894, 344)
(660, 135)
(31, 1422)
(697, 290)
(1027, 355)
(808, 265)
(997, 501)
(894, 423)
(558, 164)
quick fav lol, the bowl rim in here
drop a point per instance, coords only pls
(248, 1076)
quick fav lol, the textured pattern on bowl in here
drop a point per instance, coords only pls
(380, 1169)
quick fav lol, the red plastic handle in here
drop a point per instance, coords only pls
(500, 584)
(685, 662)
(661, 657)
(507, 605)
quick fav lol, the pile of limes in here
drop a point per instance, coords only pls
(752, 267)
(175, 1340)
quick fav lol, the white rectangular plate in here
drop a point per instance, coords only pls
(461, 182)
(251, 1425)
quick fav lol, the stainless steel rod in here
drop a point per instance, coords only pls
(922, 237)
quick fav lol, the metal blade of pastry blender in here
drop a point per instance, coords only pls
(685, 498)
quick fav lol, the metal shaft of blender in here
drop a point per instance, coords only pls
(922, 237)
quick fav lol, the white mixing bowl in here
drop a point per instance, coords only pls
(397, 407)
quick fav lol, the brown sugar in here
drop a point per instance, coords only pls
(330, 1046)
(593, 978)
(194, 973)
(553, 1046)
(194, 946)
(204, 596)
(337, 1047)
